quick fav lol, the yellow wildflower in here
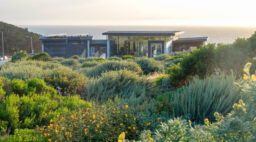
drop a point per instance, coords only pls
(245, 77)
(93, 116)
(58, 116)
(56, 131)
(148, 124)
(70, 129)
(126, 106)
(83, 115)
(72, 117)
(97, 125)
(51, 121)
(151, 139)
(121, 124)
(158, 118)
(149, 135)
(253, 77)
(49, 140)
(133, 128)
(134, 119)
(67, 138)
(129, 128)
(121, 137)
(85, 132)
(126, 115)
(66, 133)
(254, 118)
(49, 135)
(206, 121)
(45, 134)
(62, 128)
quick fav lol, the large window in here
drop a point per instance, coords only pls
(132, 45)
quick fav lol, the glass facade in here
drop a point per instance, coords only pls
(133, 45)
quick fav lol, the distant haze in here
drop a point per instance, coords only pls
(129, 12)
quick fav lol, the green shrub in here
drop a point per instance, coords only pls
(94, 59)
(200, 63)
(112, 66)
(38, 86)
(90, 64)
(28, 69)
(115, 58)
(123, 84)
(126, 57)
(163, 81)
(22, 55)
(67, 82)
(33, 110)
(24, 135)
(41, 57)
(19, 86)
(57, 59)
(72, 63)
(3, 127)
(230, 59)
(202, 98)
(162, 57)
(150, 65)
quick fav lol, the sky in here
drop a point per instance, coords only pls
(129, 12)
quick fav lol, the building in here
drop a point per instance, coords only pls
(119, 43)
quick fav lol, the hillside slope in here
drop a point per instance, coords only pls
(16, 39)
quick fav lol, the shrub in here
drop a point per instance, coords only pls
(112, 66)
(150, 65)
(90, 64)
(26, 135)
(94, 59)
(202, 98)
(22, 55)
(162, 57)
(28, 69)
(115, 58)
(41, 57)
(29, 111)
(123, 84)
(38, 86)
(72, 63)
(126, 57)
(98, 123)
(200, 63)
(57, 59)
(19, 86)
(67, 82)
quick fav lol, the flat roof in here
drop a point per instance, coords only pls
(54, 37)
(191, 39)
(142, 33)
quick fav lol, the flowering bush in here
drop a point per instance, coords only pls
(96, 123)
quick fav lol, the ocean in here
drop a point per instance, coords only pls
(214, 34)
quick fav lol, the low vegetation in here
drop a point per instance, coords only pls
(204, 95)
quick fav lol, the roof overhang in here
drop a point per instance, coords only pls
(142, 33)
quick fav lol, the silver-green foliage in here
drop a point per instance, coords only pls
(149, 65)
(202, 98)
(113, 66)
(123, 84)
(28, 69)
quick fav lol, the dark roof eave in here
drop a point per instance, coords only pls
(142, 33)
